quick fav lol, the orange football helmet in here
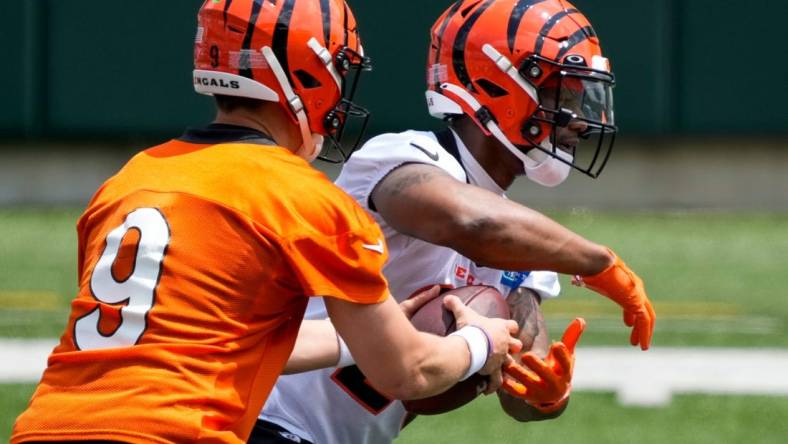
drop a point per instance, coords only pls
(306, 55)
(523, 70)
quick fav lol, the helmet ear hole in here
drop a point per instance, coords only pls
(308, 81)
(492, 89)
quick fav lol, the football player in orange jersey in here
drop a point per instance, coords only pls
(197, 259)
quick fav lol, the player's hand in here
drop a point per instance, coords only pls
(546, 384)
(411, 305)
(625, 288)
(500, 333)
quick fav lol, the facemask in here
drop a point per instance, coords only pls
(311, 151)
(547, 170)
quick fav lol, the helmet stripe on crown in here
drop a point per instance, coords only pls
(226, 8)
(454, 8)
(281, 32)
(247, 43)
(576, 38)
(325, 9)
(458, 52)
(518, 12)
(345, 22)
(548, 26)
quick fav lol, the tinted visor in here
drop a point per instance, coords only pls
(578, 106)
(588, 99)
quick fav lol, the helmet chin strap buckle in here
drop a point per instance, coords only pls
(295, 104)
(484, 116)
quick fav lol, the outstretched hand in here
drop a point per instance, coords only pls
(619, 283)
(546, 384)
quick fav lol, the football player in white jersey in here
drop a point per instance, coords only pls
(525, 90)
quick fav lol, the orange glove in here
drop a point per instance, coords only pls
(546, 384)
(625, 288)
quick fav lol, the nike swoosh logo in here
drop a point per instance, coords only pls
(378, 247)
(430, 154)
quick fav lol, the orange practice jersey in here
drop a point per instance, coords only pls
(195, 261)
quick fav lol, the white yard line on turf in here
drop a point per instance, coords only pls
(652, 377)
(638, 378)
(23, 360)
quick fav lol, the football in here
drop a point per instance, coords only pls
(433, 318)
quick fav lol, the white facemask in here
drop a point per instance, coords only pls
(547, 170)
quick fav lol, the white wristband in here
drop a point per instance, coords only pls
(345, 358)
(479, 346)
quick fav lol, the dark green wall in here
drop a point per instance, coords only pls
(98, 68)
(733, 64)
(14, 72)
(636, 36)
(121, 66)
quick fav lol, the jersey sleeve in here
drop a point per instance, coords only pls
(348, 266)
(382, 154)
(545, 283)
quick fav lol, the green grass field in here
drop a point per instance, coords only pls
(715, 279)
(592, 418)
(597, 418)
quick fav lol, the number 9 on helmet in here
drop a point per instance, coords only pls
(305, 55)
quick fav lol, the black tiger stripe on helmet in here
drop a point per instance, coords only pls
(460, 40)
(518, 12)
(344, 26)
(227, 5)
(281, 33)
(548, 26)
(325, 8)
(576, 38)
(246, 71)
(439, 36)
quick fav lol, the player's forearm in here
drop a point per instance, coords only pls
(513, 237)
(434, 366)
(417, 365)
(423, 202)
(397, 359)
(316, 347)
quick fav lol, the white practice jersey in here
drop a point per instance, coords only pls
(335, 406)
